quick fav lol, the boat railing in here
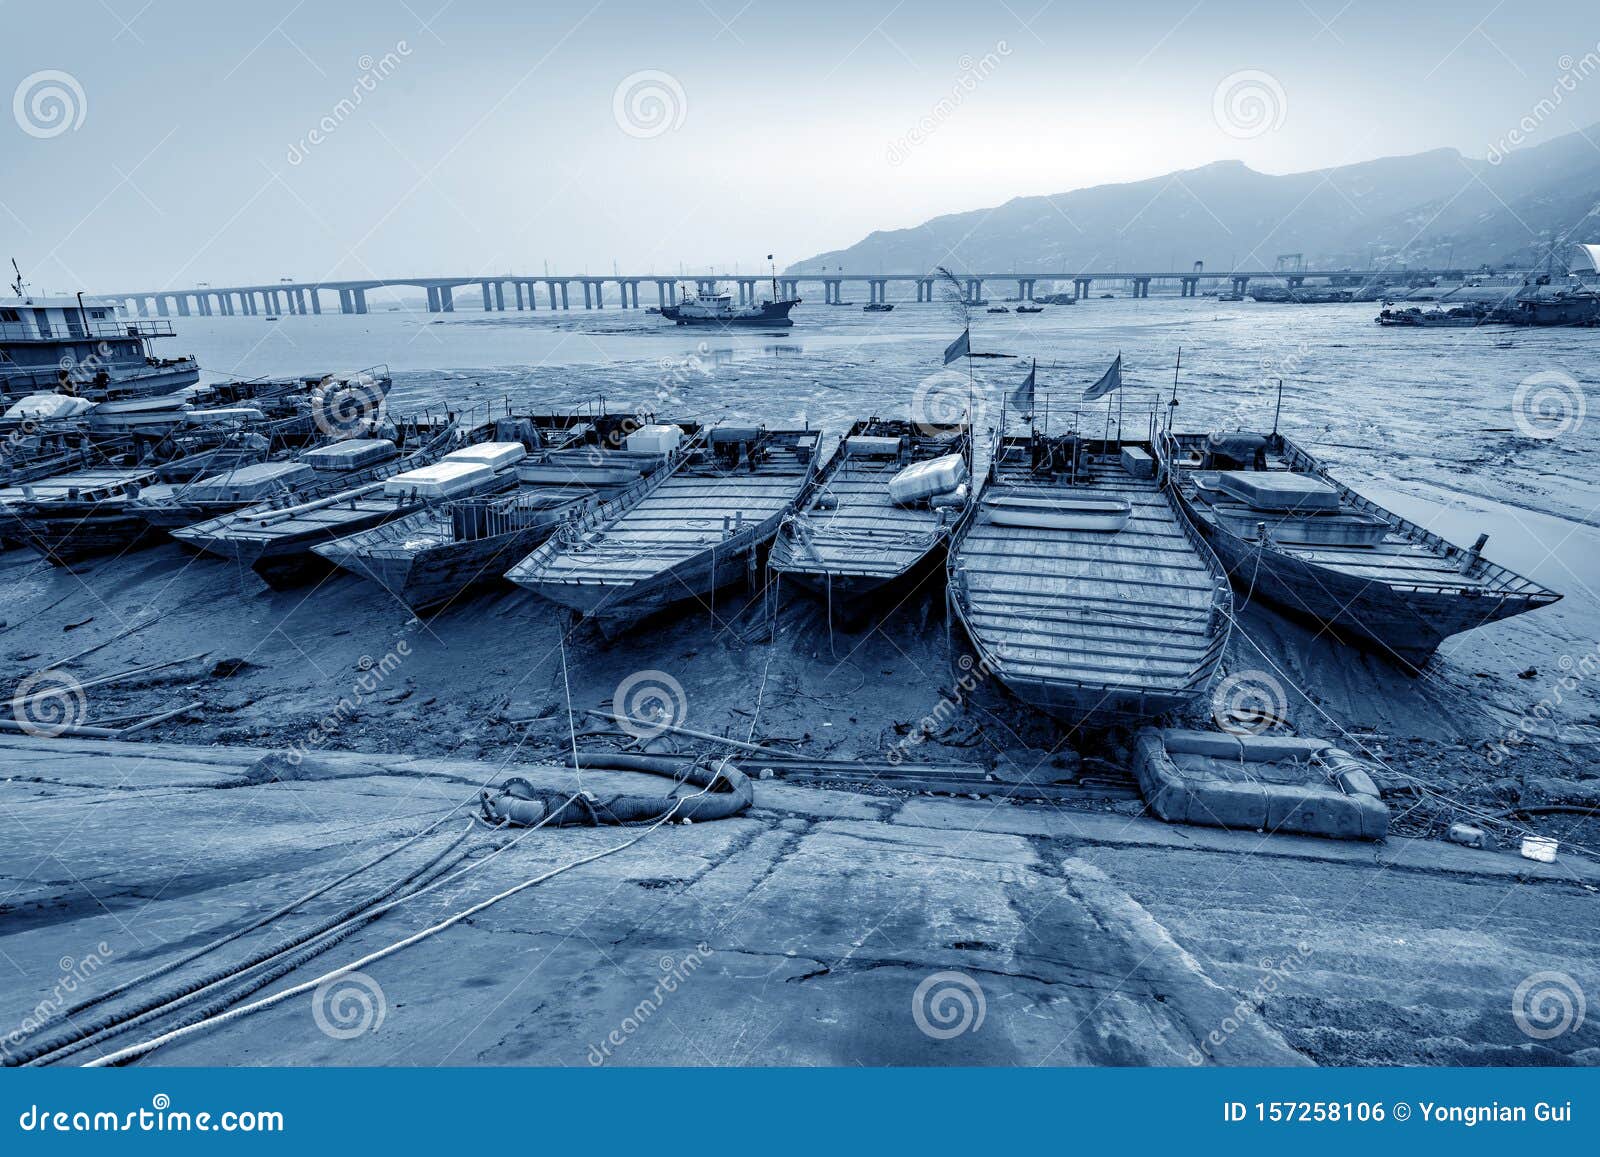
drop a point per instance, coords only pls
(79, 331)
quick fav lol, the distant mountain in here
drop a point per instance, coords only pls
(1431, 209)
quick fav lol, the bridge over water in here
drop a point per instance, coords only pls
(511, 291)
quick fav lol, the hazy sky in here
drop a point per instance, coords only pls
(225, 142)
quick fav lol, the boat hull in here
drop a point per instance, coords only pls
(1407, 626)
(65, 537)
(429, 579)
(767, 313)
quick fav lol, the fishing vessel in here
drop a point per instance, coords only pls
(83, 347)
(1081, 585)
(685, 533)
(91, 512)
(275, 538)
(848, 539)
(1295, 537)
(431, 557)
(718, 309)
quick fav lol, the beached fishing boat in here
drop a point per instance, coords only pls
(441, 553)
(848, 539)
(437, 463)
(1297, 538)
(685, 533)
(1082, 587)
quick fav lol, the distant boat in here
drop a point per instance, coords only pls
(1316, 549)
(878, 307)
(718, 309)
(1081, 585)
(998, 309)
(1030, 309)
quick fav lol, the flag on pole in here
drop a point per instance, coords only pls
(960, 348)
(1110, 380)
(1022, 397)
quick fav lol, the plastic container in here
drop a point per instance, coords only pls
(1541, 848)
(495, 455)
(658, 439)
(922, 480)
(351, 454)
(441, 480)
(224, 414)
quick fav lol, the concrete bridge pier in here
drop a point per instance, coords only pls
(663, 293)
(790, 288)
(747, 290)
(361, 300)
(1025, 288)
(1191, 287)
(316, 300)
(183, 304)
(878, 291)
(1080, 287)
(1241, 284)
(347, 300)
(1141, 287)
(832, 291)
(161, 305)
(488, 306)
(588, 296)
(705, 286)
(974, 290)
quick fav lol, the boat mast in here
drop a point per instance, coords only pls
(1278, 409)
(774, 267)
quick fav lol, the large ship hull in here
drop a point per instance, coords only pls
(763, 313)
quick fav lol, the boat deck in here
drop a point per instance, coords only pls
(865, 534)
(691, 512)
(90, 484)
(1128, 609)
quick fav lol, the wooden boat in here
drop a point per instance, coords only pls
(429, 558)
(685, 533)
(1373, 579)
(847, 540)
(90, 511)
(1096, 617)
(1030, 309)
(275, 538)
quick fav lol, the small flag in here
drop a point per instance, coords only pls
(960, 348)
(1022, 396)
(1110, 380)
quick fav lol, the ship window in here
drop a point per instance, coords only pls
(10, 315)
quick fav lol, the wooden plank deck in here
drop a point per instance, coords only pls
(1130, 609)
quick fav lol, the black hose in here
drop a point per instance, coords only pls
(727, 792)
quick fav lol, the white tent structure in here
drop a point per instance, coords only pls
(1585, 258)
